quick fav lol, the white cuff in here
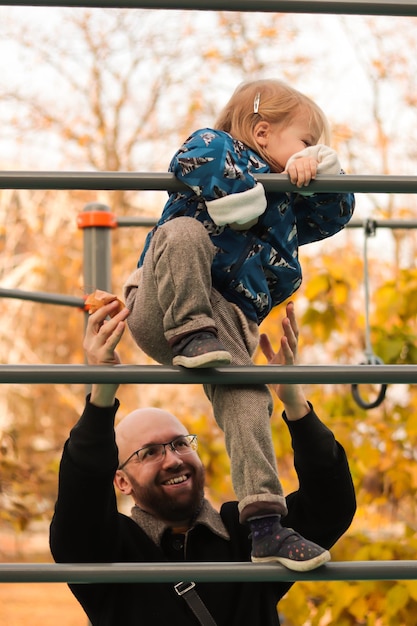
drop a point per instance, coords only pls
(238, 208)
(328, 161)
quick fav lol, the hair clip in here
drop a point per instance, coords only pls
(256, 102)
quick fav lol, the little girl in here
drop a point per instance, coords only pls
(223, 253)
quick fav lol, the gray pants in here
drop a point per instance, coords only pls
(172, 295)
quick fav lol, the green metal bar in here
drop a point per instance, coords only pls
(348, 7)
(167, 182)
(245, 375)
(202, 572)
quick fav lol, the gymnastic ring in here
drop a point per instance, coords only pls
(381, 395)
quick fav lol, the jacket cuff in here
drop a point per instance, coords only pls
(238, 207)
(328, 161)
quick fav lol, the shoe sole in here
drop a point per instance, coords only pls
(208, 359)
(296, 566)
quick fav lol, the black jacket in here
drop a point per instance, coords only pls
(87, 528)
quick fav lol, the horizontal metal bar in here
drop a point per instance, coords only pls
(127, 222)
(158, 181)
(348, 7)
(43, 297)
(393, 224)
(123, 222)
(201, 572)
(133, 374)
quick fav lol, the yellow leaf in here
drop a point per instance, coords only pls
(317, 286)
(396, 599)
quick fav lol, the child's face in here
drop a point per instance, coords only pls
(281, 142)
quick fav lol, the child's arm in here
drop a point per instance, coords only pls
(318, 215)
(219, 170)
(323, 506)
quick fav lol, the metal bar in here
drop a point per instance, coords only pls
(127, 222)
(43, 297)
(133, 374)
(158, 181)
(97, 253)
(394, 224)
(96, 257)
(202, 572)
(348, 7)
(149, 222)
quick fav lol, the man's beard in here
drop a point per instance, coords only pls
(167, 507)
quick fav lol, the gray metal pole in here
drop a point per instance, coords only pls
(229, 375)
(202, 572)
(158, 181)
(95, 221)
(42, 297)
(348, 7)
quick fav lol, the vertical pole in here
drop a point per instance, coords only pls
(96, 220)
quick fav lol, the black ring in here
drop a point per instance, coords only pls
(381, 395)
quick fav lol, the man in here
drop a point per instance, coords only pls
(151, 457)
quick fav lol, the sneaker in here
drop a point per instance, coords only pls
(200, 349)
(289, 548)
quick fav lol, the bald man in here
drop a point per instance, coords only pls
(170, 488)
(151, 457)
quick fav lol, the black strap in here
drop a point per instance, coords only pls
(188, 592)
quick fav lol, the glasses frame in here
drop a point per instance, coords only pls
(192, 439)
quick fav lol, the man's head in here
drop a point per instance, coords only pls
(170, 484)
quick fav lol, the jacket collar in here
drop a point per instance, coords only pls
(155, 528)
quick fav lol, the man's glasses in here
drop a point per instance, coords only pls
(155, 452)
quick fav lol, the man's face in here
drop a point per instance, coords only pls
(171, 488)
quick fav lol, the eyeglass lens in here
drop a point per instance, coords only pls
(155, 452)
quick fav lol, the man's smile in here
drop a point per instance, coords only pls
(177, 480)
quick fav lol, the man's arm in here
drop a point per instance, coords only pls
(86, 510)
(324, 505)
(101, 339)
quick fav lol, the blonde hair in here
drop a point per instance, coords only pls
(278, 103)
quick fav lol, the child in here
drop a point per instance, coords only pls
(223, 253)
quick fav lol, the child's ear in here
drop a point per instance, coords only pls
(261, 133)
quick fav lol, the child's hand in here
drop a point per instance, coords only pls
(302, 171)
(303, 166)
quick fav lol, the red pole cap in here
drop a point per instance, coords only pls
(91, 219)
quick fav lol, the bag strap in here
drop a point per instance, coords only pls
(188, 592)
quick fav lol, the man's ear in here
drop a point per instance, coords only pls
(261, 133)
(122, 482)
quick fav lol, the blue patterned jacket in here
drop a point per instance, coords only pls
(257, 267)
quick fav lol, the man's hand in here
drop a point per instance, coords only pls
(101, 339)
(291, 395)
